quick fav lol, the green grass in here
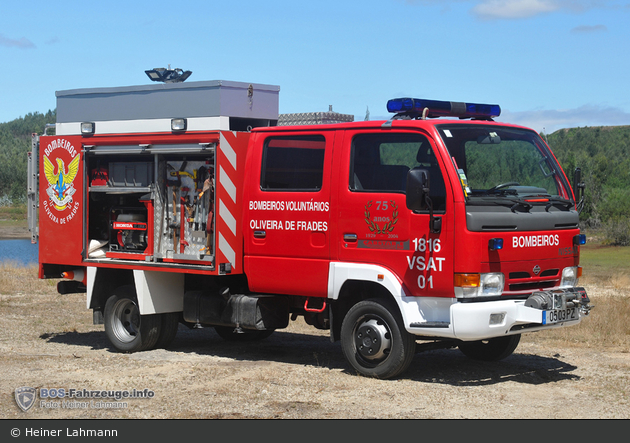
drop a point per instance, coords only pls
(602, 262)
(13, 212)
(606, 274)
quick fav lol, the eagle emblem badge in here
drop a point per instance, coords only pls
(60, 181)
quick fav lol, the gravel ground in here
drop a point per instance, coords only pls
(48, 341)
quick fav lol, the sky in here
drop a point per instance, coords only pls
(549, 64)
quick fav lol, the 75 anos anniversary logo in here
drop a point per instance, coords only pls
(386, 218)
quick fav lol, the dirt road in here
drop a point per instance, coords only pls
(48, 341)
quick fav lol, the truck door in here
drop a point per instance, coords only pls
(287, 213)
(375, 226)
(61, 205)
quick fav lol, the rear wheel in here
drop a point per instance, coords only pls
(493, 349)
(168, 329)
(374, 340)
(126, 329)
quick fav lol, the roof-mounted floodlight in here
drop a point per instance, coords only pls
(168, 75)
(437, 108)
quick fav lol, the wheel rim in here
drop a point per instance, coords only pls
(372, 340)
(126, 321)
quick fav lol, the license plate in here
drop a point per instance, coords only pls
(560, 315)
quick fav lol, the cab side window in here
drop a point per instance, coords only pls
(293, 163)
(380, 163)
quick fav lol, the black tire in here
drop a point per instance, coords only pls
(493, 349)
(374, 340)
(168, 329)
(126, 329)
(228, 333)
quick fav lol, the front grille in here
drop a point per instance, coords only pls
(522, 274)
(532, 286)
(517, 275)
(523, 281)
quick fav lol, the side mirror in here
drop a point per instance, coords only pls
(578, 189)
(418, 196)
(417, 189)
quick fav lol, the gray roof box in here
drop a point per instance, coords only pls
(208, 105)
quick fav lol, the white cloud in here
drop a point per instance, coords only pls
(521, 9)
(589, 29)
(513, 9)
(21, 43)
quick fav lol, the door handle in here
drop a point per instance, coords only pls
(260, 234)
(350, 237)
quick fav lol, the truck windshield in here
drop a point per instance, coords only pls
(497, 162)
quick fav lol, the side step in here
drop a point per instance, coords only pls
(430, 324)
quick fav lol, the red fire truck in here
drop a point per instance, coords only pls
(198, 204)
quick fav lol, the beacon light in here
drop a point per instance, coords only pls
(439, 108)
(579, 239)
(495, 244)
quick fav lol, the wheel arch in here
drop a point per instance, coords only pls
(351, 283)
(157, 292)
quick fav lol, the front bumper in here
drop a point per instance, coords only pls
(487, 319)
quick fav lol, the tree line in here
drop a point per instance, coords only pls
(602, 153)
(15, 143)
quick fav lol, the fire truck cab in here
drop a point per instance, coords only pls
(191, 204)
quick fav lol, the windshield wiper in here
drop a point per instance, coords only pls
(550, 200)
(512, 203)
(493, 192)
(567, 204)
(501, 198)
(518, 202)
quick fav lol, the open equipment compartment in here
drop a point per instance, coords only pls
(160, 210)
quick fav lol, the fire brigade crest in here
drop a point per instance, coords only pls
(60, 181)
(384, 222)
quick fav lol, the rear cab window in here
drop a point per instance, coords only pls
(293, 163)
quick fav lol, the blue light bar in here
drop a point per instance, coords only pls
(439, 108)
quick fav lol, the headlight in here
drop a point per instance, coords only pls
(479, 285)
(570, 277)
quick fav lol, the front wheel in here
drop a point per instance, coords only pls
(374, 340)
(493, 349)
(126, 329)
